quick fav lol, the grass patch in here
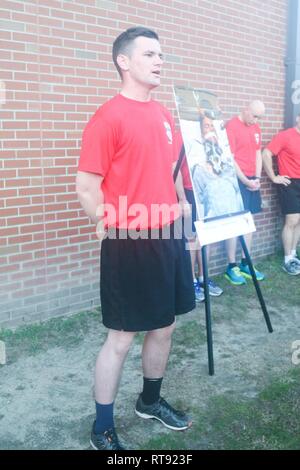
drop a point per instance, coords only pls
(188, 334)
(278, 289)
(268, 422)
(64, 332)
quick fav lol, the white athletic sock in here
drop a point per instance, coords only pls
(200, 278)
(288, 258)
(293, 253)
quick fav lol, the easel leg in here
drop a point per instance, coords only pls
(257, 288)
(207, 313)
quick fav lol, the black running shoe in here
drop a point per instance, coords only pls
(108, 440)
(165, 413)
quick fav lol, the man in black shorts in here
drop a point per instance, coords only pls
(286, 146)
(125, 185)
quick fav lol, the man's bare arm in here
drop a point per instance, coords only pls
(243, 178)
(268, 166)
(184, 205)
(90, 195)
(258, 163)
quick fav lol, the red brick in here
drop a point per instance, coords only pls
(7, 193)
(17, 182)
(8, 174)
(20, 240)
(9, 268)
(20, 294)
(8, 212)
(20, 258)
(32, 228)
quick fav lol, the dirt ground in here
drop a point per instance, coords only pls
(46, 394)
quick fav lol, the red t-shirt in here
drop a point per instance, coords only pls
(286, 144)
(185, 172)
(244, 141)
(130, 144)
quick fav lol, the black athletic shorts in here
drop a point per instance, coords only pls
(289, 197)
(144, 283)
(251, 199)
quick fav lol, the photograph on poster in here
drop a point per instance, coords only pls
(210, 161)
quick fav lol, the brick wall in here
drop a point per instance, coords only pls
(56, 69)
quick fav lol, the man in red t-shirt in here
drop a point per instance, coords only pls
(244, 137)
(286, 146)
(125, 185)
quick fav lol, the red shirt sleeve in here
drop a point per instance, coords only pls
(276, 144)
(98, 147)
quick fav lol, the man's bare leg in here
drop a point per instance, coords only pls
(109, 365)
(296, 237)
(231, 250)
(290, 233)
(248, 240)
(290, 238)
(156, 349)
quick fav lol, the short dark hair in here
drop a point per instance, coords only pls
(124, 41)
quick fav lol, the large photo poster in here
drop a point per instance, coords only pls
(211, 166)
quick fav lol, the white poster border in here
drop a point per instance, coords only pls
(223, 228)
